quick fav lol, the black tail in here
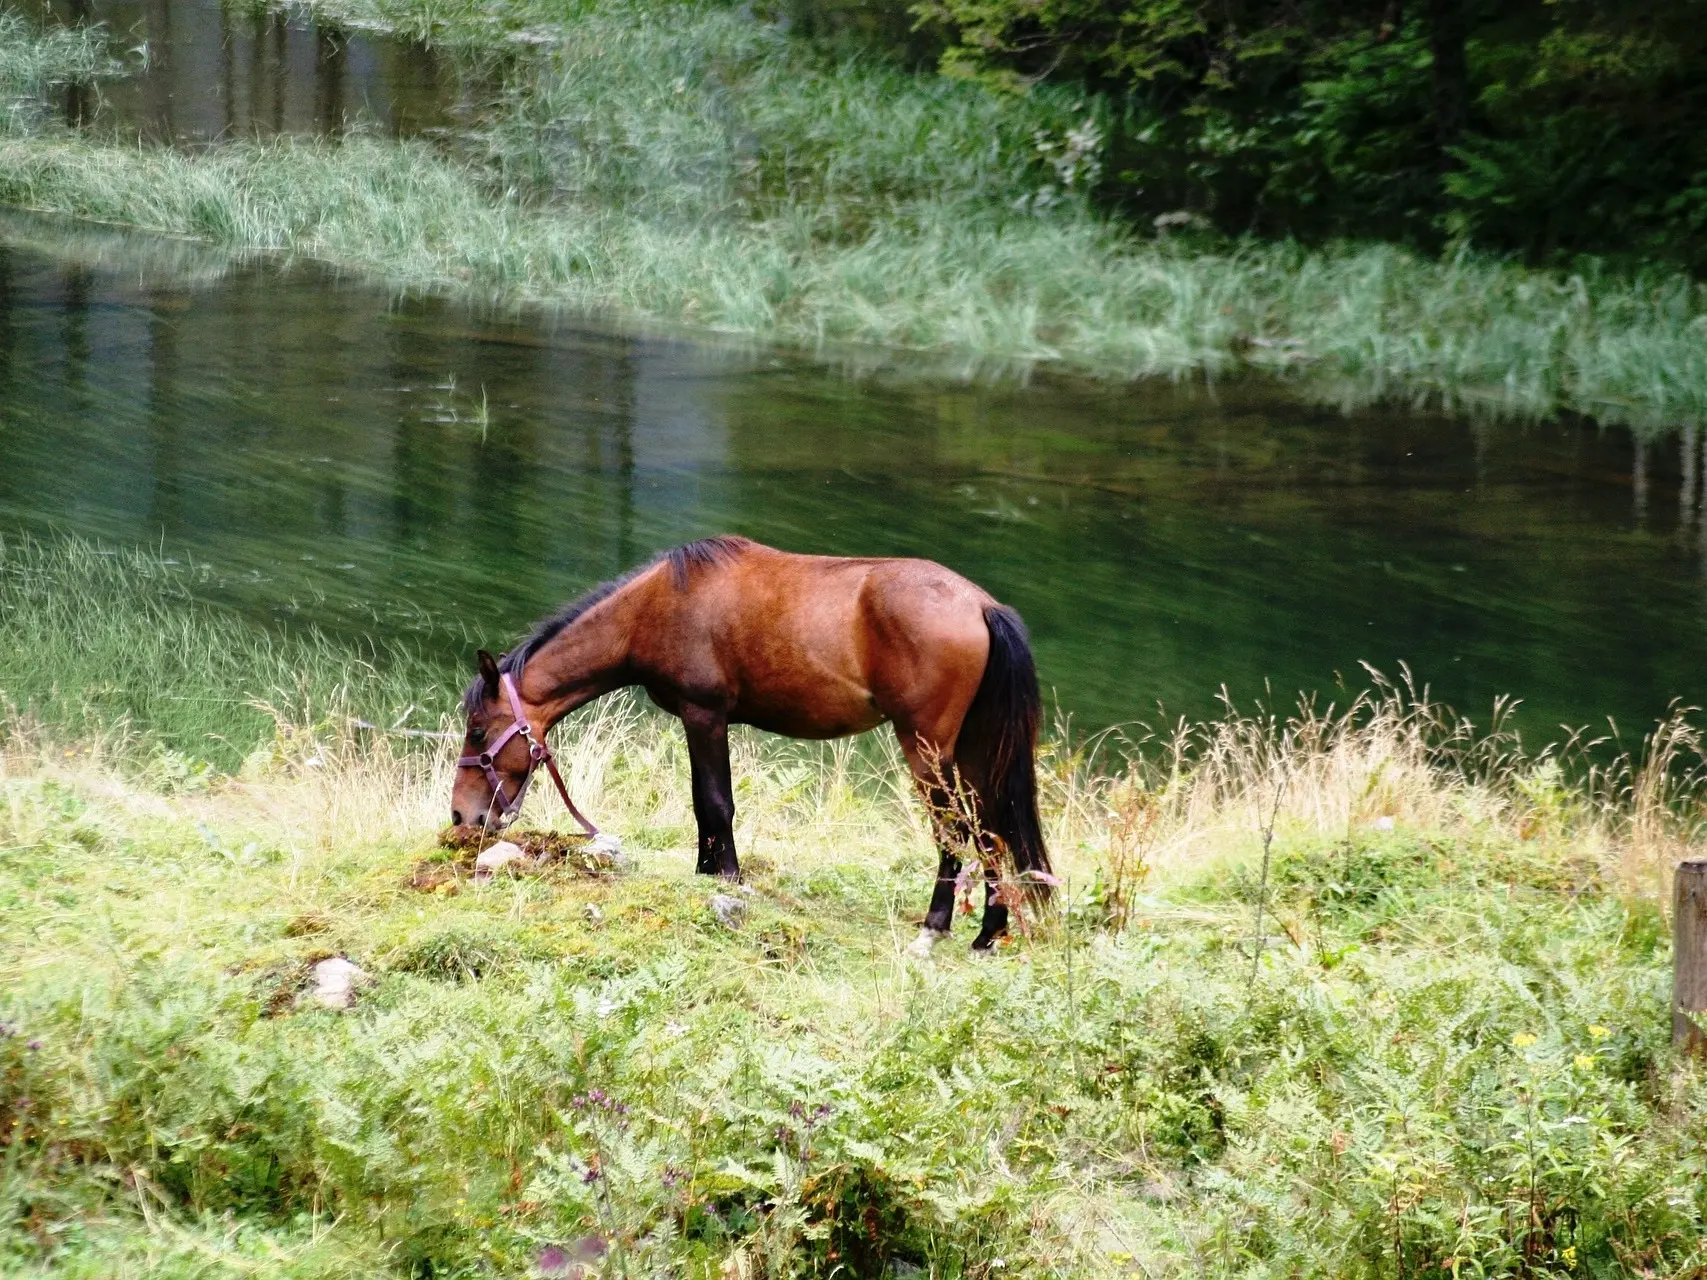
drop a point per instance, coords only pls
(999, 738)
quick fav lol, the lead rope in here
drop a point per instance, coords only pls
(538, 750)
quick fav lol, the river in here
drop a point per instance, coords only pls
(371, 463)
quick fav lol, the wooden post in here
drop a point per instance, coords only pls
(1689, 959)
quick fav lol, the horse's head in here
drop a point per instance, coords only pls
(495, 762)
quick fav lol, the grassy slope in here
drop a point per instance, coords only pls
(1455, 1046)
(692, 165)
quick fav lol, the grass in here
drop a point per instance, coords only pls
(1452, 1055)
(692, 165)
(34, 62)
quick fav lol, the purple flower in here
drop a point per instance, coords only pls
(673, 1176)
(33, 1045)
(553, 1261)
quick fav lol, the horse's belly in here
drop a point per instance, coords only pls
(810, 715)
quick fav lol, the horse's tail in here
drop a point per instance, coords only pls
(998, 740)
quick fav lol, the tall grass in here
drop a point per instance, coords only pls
(1452, 1052)
(34, 62)
(112, 646)
(693, 165)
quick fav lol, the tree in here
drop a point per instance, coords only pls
(1545, 127)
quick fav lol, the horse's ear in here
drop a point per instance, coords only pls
(488, 672)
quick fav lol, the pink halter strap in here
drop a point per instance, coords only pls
(537, 751)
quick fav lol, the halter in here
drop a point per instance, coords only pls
(537, 751)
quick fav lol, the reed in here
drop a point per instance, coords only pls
(33, 63)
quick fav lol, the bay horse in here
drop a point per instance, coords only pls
(727, 631)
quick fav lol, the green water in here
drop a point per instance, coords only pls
(427, 467)
(198, 71)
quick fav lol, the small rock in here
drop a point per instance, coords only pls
(496, 856)
(335, 983)
(728, 909)
(593, 914)
(605, 852)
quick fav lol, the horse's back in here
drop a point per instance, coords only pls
(821, 646)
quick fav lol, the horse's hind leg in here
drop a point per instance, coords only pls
(995, 922)
(939, 787)
(713, 791)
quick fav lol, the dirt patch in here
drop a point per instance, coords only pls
(547, 853)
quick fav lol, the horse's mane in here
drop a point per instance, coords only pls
(684, 562)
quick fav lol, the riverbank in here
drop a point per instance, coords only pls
(1454, 1044)
(764, 188)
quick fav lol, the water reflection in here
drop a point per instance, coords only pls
(202, 71)
(373, 463)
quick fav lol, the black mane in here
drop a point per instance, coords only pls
(684, 562)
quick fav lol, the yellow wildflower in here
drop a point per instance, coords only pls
(1599, 1032)
(1568, 1255)
(1522, 1040)
(1584, 1061)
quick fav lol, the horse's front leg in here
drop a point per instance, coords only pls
(713, 791)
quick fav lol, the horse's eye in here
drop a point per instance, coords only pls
(477, 737)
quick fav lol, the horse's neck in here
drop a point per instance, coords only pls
(585, 660)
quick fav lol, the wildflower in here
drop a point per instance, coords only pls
(1599, 1032)
(1568, 1256)
(673, 1176)
(1523, 1039)
(1584, 1061)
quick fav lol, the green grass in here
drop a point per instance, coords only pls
(692, 166)
(113, 646)
(1454, 1046)
(32, 63)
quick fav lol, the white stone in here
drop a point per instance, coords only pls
(1383, 823)
(920, 948)
(497, 856)
(605, 850)
(335, 983)
(593, 914)
(728, 909)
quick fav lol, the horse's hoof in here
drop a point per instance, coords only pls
(920, 948)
